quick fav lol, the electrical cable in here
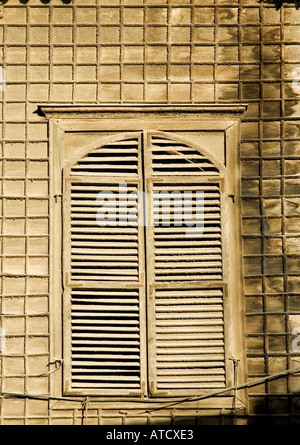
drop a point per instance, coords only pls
(176, 402)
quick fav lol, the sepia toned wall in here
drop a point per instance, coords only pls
(155, 51)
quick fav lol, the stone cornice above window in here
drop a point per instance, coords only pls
(205, 110)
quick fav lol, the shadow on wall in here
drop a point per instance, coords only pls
(277, 403)
(279, 3)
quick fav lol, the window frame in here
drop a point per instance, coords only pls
(213, 119)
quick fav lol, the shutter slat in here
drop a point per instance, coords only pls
(110, 356)
(205, 330)
(105, 307)
(97, 258)
(101, 335)
(103, 237)
(208, 370)
(102, 271)
(197, 277)
(111, 385)
(81, 364)
(98, 342)
(77, 326)
(163, 267)
(173, 166)
(99, 172)
(175, 344)
(195, 386)
(179, 244)
(217, 349)
(182, 251)
(102, 373)
(78, 300)
(189, 301)
(109, 252)
(93, 241)
(91, 164)
(79, 313)
(85, 321)
(204, 322)
(103, 349)
(190, 378)
(181, 316)
(104, 264)
(189, 307)
(104, 278)
(190, 337)
(190, 360)
(102, 157)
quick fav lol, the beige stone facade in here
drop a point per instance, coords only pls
(162, 52)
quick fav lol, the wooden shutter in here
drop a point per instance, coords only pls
(184, 269)
(103, 269)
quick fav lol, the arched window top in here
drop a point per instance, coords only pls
(164, 153)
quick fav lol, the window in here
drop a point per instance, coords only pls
(150, 252)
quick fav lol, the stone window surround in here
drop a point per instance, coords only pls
(211, 118)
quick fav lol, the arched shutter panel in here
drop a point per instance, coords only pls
(103, 267)
(118, 158)
(171, 157)
(184, 269)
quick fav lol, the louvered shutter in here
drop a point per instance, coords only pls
(103, 268)
(184, 268)
(108, 282)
